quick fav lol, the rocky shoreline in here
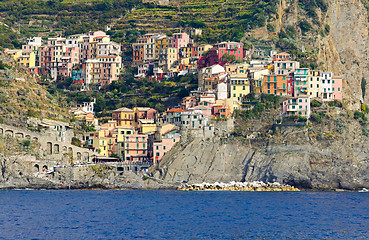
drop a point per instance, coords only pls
(255, 186)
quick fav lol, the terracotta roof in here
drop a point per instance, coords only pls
(176, 110)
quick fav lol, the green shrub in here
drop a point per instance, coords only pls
(315, 103)
(305, 26)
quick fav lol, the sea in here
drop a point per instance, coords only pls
(162, 214)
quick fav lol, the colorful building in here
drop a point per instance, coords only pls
(239, 88)
(337, 88)
(299, 106)
(314, 83)
(275, 84)
(124, 117)
(301, 81)
(135, 147)
(166, 141)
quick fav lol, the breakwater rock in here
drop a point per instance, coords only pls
(256, 186)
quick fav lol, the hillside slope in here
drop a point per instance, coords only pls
(21, 96)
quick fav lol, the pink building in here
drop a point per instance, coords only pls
(164, 144)
(202, 109)
(135, 147)
(299, 106)
(71, 57)
(221, 111)
(179, 40)
(188, 102)
(144, 113)
(337, 88)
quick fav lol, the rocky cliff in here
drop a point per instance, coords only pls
(339, 36)
(326, 156)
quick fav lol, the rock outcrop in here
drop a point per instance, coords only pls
(301, 157)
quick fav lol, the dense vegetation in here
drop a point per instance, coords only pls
(220, 20)
(27, 18)
(127, 92)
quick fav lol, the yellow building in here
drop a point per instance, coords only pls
(14, 53)
(161, 44)
(123, 131)
(313, 83)
(101, 144)
(240, 87)
(27, 60)
(172, 57)
(257, 78)
(202, 48)
(124, 116)
(146, 125)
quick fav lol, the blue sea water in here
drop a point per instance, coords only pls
(129, 214)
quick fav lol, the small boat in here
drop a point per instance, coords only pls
(364, 190)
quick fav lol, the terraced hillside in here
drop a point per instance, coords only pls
(50, 18)
(219, 19)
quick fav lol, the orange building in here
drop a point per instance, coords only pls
(281, 57)
(275, 84)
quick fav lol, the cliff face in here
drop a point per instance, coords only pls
(311, 158)
(344, 50)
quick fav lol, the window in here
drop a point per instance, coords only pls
(339, 89)
(164, 147)
(157, 154)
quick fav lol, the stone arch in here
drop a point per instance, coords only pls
(28, 137)
(9, 132)
(19, 135)
(49, 148)
(127, 168)
(37, 167)
(35, 139)
(70, 150)
(86, 156)
(56, 148)
(44, 168)
(1, 131)
(79, 156)
(121, 169)
(136, 169)
(64, 149)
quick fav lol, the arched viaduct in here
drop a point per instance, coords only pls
(50, 143)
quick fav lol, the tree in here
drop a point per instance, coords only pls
(228, 58)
